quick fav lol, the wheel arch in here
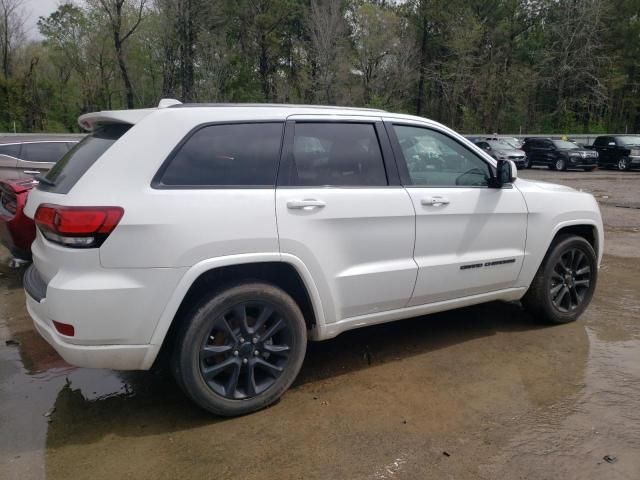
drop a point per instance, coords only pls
(286, 272)
(585, 229)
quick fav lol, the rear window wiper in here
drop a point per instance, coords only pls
(42, 179)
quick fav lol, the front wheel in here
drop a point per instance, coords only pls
(560, 164)
(623, 164)
(240, 349)
(564, 284)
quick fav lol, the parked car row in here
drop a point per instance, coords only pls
(617, 151)
(21, 160)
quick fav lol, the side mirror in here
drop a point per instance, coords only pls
(506, 172)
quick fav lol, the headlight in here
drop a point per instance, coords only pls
(575, 155)
(635, 153)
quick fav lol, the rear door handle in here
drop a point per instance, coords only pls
(434, 201)
(306, 204)
(31, 172)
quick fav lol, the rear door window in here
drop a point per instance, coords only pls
(65, 174)
(11, 150)
(336, 154)
(242, 155)
(43, 152)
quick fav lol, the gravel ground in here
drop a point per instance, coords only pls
(481, 392)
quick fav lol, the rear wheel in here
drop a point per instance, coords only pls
(564, 284)
(240, 349)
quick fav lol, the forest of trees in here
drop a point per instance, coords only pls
(475, 65)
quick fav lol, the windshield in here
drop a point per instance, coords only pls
(629, 140)
(500, 145)
(565, 145)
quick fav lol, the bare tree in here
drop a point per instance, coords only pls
(326, 29)
(122, 28)
(11, 31)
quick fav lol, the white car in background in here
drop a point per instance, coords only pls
(241, 231)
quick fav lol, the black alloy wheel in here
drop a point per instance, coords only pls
(570, 280)
(246, 350)
(564, 284)
(240, 348)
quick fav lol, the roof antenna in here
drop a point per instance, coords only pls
(168, 102)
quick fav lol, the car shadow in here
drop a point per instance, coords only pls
(150, 403)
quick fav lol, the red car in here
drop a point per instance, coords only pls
(17, 231)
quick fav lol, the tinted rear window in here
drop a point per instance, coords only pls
(225, 155)
(64, 174)
(45, 152)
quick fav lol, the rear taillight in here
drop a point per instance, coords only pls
(77, 227)
(8, 200)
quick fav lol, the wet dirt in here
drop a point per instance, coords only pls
(482, 392)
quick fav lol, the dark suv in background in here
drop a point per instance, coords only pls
(559, 154)
(620, 151)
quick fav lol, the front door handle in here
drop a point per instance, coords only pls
(31, 172)
(306, 204)
(434, 201)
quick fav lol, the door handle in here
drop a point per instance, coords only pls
(31, 172)
(434, 201)
(306, 204)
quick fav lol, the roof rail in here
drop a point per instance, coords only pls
(168, 102)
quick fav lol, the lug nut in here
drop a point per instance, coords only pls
(244, 360)
(254, 340)
(241, 340)
(256, 353)
(235, 353)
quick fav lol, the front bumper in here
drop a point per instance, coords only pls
(583, 162)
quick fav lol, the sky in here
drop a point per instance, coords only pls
(34, 9)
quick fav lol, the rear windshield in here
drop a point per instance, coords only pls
(65, 174)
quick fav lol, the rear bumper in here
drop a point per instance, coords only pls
(117, 357)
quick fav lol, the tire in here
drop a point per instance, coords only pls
(232, 367)
(560, 164)
(623, 164)
(527, 163)
(552, 279)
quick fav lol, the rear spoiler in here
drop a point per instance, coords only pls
(92, 121)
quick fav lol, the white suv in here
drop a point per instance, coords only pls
(229, 234)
